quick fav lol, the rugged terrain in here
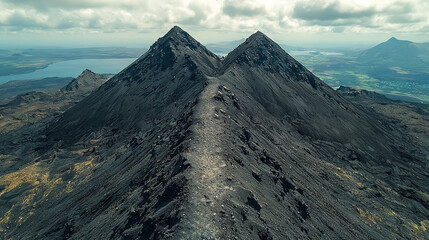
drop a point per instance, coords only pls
(409, 116)
(36, 107)
(184, 145)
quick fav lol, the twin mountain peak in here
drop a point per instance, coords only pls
(177, 66)
(177, 45)
(182, 144)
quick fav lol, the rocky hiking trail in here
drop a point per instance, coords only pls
(207, 180)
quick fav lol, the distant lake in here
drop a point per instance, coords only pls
(314, 53)
(73, 68)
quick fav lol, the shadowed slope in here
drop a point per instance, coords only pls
(294, 148)
(287, 90)
(116, 157)
(166, 77)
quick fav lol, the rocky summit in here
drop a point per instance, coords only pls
(182, 144)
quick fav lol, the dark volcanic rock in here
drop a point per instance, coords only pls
(184, 145)
(87, 81)
(153, 88)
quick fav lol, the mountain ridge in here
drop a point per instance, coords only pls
(181, 144)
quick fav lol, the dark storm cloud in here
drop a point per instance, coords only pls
(332, 11)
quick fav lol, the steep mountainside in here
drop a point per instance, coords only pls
(412, 117)
(169, 75)
(184, 145)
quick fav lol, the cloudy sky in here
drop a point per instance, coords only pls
(140, 22)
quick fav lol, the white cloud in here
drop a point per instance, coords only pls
(341, 16)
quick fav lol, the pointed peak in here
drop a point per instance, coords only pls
(176, 44)
(258, 51)
(258, 36)
(176, 38)
(397, 42)
(85, 74)
(177, 29)
(87, 71)
(258, 42)
(176, 33)
(86, 81)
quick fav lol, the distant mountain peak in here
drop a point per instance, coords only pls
(394, 51)
(393, 39)
(87, 81)
(86, 72)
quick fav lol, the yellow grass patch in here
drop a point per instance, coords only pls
(372, 217)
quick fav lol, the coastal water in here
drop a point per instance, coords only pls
(73, 68)
(314, 53)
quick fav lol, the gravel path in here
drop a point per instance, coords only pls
(207, 187)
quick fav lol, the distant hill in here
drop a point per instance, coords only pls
(395, 68)
(86, 82)
(401, 53)
(398, 66)
(42, 105)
